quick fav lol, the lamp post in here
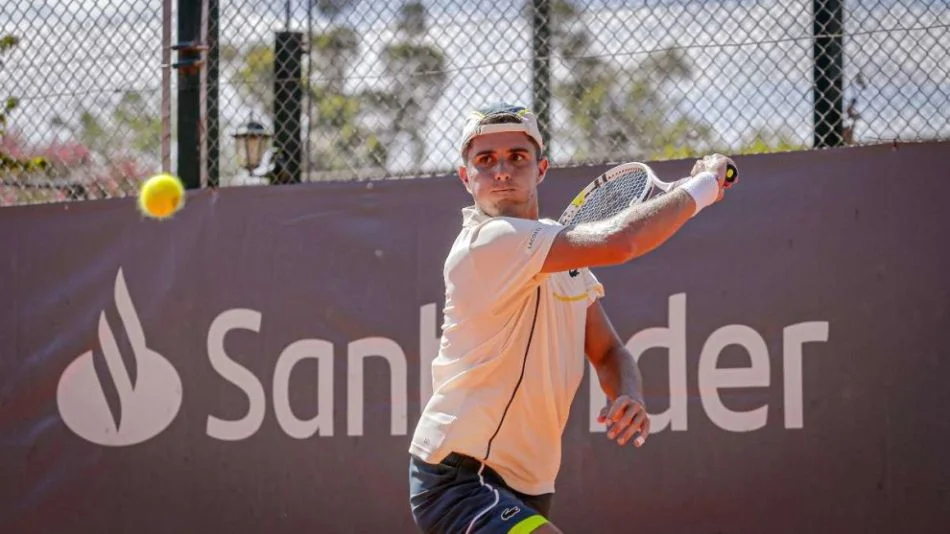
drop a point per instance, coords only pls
(252, 140)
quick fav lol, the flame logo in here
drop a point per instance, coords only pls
(148, 406)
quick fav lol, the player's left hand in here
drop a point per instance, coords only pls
(624, 417)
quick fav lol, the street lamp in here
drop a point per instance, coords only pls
(252, 140)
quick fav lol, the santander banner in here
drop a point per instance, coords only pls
(150, 403)
(258, 363)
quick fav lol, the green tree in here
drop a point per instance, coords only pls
(133, 115)
(622, 112)
(105, 156)
(765, 141)
(254, 73)
(111, 148)
(339, 140)
(140, 130)
(334, 8)
(13, 167)
(416, 71)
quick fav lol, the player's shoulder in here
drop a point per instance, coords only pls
(472, 218)
(503, 223)
(492, 229)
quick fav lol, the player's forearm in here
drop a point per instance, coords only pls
(631, 233)
(634, 231)
(643, 227)
(619, 374)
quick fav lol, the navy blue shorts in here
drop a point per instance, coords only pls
(461, 495)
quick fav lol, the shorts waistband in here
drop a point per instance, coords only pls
(455, 459)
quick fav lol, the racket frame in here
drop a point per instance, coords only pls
(612, 174)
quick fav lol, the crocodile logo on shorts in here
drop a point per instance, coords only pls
(508, 513)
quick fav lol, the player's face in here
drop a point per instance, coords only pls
(502, 173)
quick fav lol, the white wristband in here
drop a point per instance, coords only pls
(704, 188)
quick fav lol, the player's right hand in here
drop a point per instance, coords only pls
(716, 164)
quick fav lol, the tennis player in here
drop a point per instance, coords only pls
(521, 310)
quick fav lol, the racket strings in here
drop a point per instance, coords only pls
(612, 197)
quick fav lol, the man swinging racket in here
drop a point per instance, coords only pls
(521, 310)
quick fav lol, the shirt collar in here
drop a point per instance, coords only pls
(471, 216)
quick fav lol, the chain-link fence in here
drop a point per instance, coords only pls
(357, 89)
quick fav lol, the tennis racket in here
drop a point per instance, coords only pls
(617, 189)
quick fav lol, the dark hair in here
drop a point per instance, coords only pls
(506, 118)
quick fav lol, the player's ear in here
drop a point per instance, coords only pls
(463, 177)
(542, 169)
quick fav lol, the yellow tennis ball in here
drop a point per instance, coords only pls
(161, 196)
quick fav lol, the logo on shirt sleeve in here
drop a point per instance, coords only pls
(534, 236)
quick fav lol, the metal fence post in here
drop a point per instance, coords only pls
(828, 59)
(189, 65)
(288, 96)
(541, 66)
(211, 88)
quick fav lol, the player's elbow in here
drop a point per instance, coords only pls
(620, 248)
(634, 240)
(580, 247)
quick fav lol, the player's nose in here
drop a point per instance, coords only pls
(502, 172)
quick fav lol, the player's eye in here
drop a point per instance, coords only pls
(484, 161)
(519, 158)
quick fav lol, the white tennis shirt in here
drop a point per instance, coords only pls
(509, 363)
